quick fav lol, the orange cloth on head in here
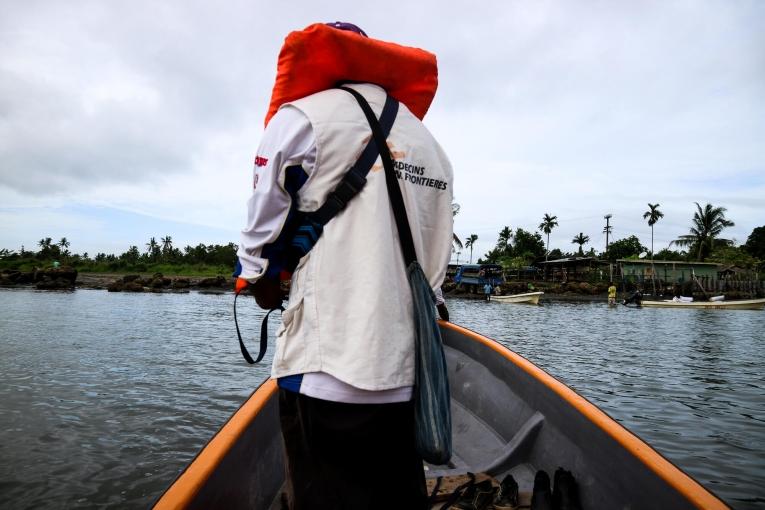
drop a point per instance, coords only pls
(319, 57)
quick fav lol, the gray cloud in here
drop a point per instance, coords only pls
(573, 108)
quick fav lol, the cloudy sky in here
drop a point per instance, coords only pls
(125, 120)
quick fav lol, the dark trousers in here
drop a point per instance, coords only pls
(350, 456)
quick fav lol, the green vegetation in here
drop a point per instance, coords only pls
(707, 224)
(653, 214)
(200, 260)
(581, 240)
(755, 243)
(548, 223)
(469, 242)
(515, 250)
(625, 248)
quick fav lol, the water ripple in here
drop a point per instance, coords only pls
(104, 398)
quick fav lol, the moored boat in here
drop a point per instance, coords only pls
(508, 416)
(528, 297)
(738, 304)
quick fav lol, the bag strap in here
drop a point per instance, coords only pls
(391, 181)
(263, 335)
(355, 179)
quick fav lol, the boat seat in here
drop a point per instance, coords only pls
(495, 455)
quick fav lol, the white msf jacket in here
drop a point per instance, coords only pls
(349, 312)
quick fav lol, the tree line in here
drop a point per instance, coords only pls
(519, 248)
(154, 256)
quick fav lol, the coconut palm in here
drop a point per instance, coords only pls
(581, 240)
(708, 223)
(469, 243)
(505, 235)
(63, 245)
(456, 243)
(167, 244)
(653, 214)
(151, 246)
(548, 223)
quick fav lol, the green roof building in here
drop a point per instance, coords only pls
(668, 271)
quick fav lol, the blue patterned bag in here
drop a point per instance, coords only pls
(432, 411)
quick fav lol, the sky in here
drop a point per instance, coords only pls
(120, 121)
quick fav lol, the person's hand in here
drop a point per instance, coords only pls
(443, 312)
(268, 293)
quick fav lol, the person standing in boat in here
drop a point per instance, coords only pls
(344, 358)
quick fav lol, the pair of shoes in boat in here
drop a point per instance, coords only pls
(507, 495)
(478, 496)
(484, 496)
(564, 496)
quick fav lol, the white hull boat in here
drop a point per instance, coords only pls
(529, 297)
(739, 304)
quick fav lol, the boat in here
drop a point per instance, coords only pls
(528, 297)
(509, 416)
(737, 304)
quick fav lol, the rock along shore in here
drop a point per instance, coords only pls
(68, 278)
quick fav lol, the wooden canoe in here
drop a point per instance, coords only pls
(528, 297)
(739, 304)
(509, 416)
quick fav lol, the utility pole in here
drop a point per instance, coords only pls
(607, 229)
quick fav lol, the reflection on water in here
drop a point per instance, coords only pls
(105, 397)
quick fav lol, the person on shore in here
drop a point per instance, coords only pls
(344, 360)
(487, 291)
(611, 294)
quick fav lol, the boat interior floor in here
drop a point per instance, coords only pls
(479, 446)
(478, 449)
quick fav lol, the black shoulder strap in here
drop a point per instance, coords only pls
(355, 179)
(311, 226)
(397, 200)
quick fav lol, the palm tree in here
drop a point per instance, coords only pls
(505, 235)
(45, 243)
(548, 223)
(653, 214)
(581, 240)
(469, 243)
(167, 244)
(456, 243)
(64, 244)
(708, 223)
(151, 246)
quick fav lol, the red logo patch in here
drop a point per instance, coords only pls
(261, 161)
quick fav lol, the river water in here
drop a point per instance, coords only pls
(104, 397)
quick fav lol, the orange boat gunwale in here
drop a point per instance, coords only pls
(664, 468)
(191, 480)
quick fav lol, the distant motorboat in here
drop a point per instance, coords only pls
(528, 297)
